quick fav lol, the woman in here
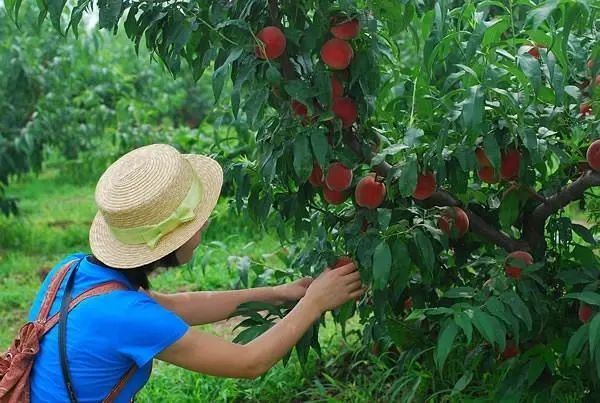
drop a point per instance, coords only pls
(153, 205)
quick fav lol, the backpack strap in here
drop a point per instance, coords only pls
(52, 290)
(92, 292)
(112, 396)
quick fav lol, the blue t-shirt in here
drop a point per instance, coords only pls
(106, 335)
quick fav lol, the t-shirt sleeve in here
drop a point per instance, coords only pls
(144, 329)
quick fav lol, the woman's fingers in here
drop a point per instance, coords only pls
(357, 293)
(353, 286)
(352, 277)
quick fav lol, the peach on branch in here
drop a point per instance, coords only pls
(425, 186)
(273, 43)
(454, 222)
(509, 266)
(345, 109)
(337, 54)
(593, 155)
(344, 28)
(339, 177)
(369, 192)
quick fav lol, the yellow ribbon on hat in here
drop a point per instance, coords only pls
(152, 234)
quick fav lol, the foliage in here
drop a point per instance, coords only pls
(432, 80)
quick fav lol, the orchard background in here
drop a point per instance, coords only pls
(447, 147)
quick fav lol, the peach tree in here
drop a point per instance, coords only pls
(449, 148)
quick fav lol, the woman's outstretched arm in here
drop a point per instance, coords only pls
(211, 355)
(201, 307)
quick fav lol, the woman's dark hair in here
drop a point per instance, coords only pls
(138, 276)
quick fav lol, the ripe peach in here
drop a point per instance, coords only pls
(593, 155)
(482, 158)
(513, 271)
(274, 43)
(337, 89)
(408, 304)
(510, 164)
(316, 176)
(488, 175)
(585, 312)
(425, 186)
(342, 261)
(510, 351)
(535, 52)
(369, 193)
(454, 222)
(338, 177)
(333, 196)
(585, 108)
(299, 109)
(337, 54)
(343, 28)
(345, 109)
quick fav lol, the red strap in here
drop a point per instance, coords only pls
(52, 291)
(92, 292)
(112, 396)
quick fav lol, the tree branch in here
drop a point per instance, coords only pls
(477, 224)
(533, 230)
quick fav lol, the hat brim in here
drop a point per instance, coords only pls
(116, 254)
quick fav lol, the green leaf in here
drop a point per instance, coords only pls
(472, 107)
(531, 67)
(408, 177)
(460, 292)
(594, 335)
(303, 162)
(221, 73)
(486, 325)
(320, 146)
(425, 249)
(492, 150)
(589, 297)
(382, 263)
(463, 320)
(55, 9)
(536, 366)
(462, 383)
(445, 342)
(518, 307)
(541, 13)
(576, 342)
(584, 233)
(509, 209)
(109, 12)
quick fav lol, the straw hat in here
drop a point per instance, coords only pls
(150, 202)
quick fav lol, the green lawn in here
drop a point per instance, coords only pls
(54, 220)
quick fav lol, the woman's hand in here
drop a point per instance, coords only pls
(334, 287)
(295, 290)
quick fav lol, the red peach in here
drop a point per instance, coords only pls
(425, 186)
(513, 271)
(510, 164)
(337, 90)
(482, 158)
(274, 43)
(510, 351)
(369, 193)
(593, 155)
(337, 54)
(342, 261)
(316, 176)
(584, 312)
(345, 109)
(488, 175)
(454, 222)
(343, 28)
(585, 108)
(338, 177)
(333, 196)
